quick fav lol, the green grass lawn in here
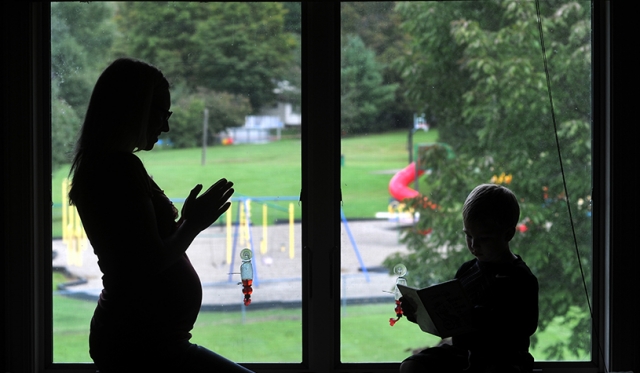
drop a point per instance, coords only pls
(274, 170)
(369, 164)
(275, 335)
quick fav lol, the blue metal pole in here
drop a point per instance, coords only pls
(353, 243)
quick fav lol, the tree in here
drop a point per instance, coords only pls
(293, 17)
(81, 37)
(363, 95)
(479, 69)
(64, 125)
(161, 33)
(378, 25)
(235, 47)
(225, 110)
(288, 88)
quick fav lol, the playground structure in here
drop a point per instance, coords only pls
(400, 190)
(399, 185)
(73, 234)
(238, 232)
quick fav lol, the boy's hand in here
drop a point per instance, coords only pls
(409, 309)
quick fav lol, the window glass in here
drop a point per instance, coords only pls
(234, 70)
(456, 93)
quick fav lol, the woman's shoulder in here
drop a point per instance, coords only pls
(113, 162)
(118, 159)
(111, 171)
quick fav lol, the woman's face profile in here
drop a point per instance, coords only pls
(158, 118)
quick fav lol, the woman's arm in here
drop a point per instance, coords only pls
(120, 220)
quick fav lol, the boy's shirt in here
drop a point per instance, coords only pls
(505, 300)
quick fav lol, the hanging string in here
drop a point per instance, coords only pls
(564, 180)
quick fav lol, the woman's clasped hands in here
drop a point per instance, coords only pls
(202, 211)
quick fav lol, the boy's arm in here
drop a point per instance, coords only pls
(512, 309)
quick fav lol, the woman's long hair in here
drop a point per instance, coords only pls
(118, 111)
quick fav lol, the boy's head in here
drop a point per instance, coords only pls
(490, 215)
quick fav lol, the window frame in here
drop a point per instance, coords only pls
(26, 192)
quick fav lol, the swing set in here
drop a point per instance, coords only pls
(238, 233)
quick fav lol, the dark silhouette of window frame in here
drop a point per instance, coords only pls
(25, 189)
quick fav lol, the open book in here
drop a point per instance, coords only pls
(442, 309)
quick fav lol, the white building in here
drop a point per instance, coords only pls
(260, 128)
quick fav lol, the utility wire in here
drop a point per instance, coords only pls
(564, 180)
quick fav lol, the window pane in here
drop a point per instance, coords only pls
(456, 93)
(240, 63)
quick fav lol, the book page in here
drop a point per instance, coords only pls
(442, 309)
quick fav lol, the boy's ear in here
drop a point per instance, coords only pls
(508, 235)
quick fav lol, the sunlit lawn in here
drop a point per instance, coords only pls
(273, 170)
(274, 335)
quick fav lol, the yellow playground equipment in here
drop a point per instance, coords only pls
(75, 238)
(242, 236)
(73, 234)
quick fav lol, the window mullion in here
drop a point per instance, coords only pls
(321, 180)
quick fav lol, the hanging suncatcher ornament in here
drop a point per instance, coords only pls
(246, 275)
(400, 270)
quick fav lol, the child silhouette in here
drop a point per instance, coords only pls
(502, 290)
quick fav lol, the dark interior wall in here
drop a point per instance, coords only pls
(625, 276)
(23, 201)
(17, 188)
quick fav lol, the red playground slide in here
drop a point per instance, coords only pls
(399, 184)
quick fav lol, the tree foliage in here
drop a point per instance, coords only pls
(293, 17)
(363, 95)
(236, 47)
(378, 25)
(225, 110)
(64, 125)
(233, 58)
(81, 38)
(478, 68)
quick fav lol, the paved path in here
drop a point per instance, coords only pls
(278, 276)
